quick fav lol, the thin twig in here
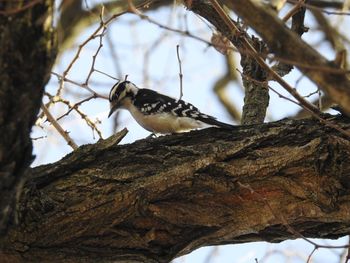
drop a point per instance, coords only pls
(180, 71)
(62, 78)
(108, 75)
(312, 93)
(104, 28)
(312, 252)
(74, 107)
(38, 138)
(347, 259)
(320, 106)
(58, 127)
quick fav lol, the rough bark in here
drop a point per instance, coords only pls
(26, 56)
(156, 199)
(256, 95)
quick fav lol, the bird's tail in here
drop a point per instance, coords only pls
(214, 122)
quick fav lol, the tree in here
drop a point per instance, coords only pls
(272, 182)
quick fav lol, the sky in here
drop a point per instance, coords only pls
(147, 54)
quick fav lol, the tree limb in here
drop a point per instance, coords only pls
(156, 199)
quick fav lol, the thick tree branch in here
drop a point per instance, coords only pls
(156, 199)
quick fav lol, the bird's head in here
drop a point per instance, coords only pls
(120, 93)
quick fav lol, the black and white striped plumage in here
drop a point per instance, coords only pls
(159, 113)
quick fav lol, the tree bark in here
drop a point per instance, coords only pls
(26, 55)
(156, 199)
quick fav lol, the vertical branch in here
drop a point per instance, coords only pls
(104, 28)
(180, 71)
(256, 99)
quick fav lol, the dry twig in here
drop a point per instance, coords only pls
(180, 71)
(75, 107)
(58, 127)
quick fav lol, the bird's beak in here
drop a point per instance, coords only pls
(113, 108)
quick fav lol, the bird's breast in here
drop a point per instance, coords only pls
(164, 123)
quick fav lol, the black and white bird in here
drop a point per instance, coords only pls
(159, 113)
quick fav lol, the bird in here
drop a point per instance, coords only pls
(158, 113)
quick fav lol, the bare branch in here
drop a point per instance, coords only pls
(62, 78)
(180, 71)
(58, 127)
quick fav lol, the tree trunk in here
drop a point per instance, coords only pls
(26, 55)
(156, 199)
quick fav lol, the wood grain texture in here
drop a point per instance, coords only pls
(156, 199)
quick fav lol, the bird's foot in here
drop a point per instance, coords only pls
(152, 135)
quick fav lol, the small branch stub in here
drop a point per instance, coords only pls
(180, 70)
